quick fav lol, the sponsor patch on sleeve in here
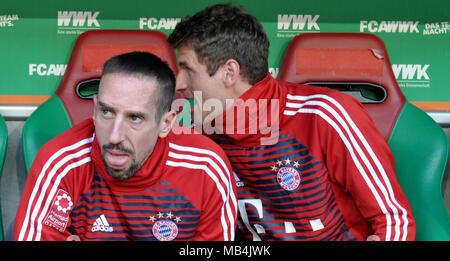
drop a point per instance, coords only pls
(58, 215)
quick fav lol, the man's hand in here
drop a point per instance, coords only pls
(373, 238)
(73, 238)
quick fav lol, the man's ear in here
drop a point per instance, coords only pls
(166, 123)
(231, 72)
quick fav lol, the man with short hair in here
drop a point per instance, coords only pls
(124, 175)
(309, 161)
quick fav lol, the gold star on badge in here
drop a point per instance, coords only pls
(160, 215)
(177, 219)
(288, 161)
(279, 163)
(274, 168)
(296, 164)
(169, 215)
(152, 218)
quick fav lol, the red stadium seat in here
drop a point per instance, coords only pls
(358, 64)
(72, 101)
(347, 58)
(91, 50)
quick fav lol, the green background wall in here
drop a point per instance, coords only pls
(36, 37)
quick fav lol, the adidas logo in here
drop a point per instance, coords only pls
(239, 183)
(101, 225)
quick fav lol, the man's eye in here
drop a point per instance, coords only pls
(106, 112)
(135, 118)
(189, 71)
(186, 69)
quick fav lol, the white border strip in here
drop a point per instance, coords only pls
(441, 117)
(17, 112)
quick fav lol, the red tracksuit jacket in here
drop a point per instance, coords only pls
(324, 171)
(183, 191)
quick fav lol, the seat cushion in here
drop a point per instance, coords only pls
(420, 149)
(46, 122)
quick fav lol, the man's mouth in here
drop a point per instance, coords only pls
(116, 159)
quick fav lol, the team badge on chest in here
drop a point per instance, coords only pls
(165, 229)
(287, 175)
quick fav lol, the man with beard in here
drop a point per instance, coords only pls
(125, 175)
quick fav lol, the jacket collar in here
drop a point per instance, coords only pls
(253, 119)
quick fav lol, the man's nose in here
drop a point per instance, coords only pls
(181, 83)
(117, 134)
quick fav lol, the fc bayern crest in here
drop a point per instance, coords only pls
(165, 230)
(289, 178)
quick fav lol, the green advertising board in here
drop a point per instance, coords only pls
(37, 36)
